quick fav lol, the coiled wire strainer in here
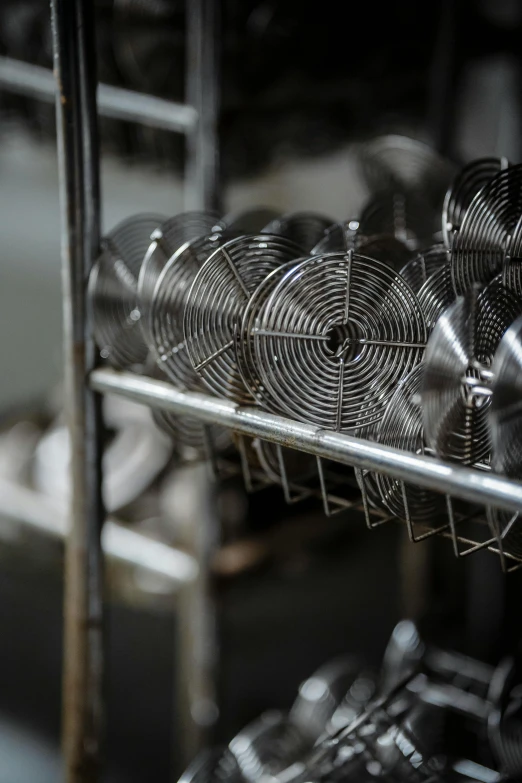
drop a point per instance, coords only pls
(456, 386)
(165, 241)
(250, 221)
(215, 305)
(482, 244)
(334, 336)
(469, 181)
(113, 291)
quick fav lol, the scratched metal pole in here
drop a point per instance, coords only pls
(78, 162)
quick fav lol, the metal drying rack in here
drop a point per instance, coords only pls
(78, 102)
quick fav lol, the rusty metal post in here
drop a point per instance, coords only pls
(78, 163)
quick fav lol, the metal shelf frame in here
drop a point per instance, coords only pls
(467, 483)
(78, 101)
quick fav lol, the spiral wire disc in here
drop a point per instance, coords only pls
(244, 342)
(417, 271)
(505, 419)
(401, 428)
(166, 240)
(436, 295)
(112, 291)
(215, 304)
(469, 181)
(481, 245)
(455, 390)
(395, 161)
(334, 337)
(405, 216)
(168, 306)
(306, 229)
(250, 221)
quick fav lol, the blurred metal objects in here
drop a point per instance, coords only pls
(113, 291)
(469, 181)
(305, 229)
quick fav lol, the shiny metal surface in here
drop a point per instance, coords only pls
(425, 264)
(333, 338)
(215, 304)
(436, 295)
(113, 291)
(481, 245)
(469, 181)
(456, 391)
(467, 483)
(505, 418)
(401, 428)
(165, 241)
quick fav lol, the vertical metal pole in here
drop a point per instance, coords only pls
(202, 92)
(197, 659)
(78, 163)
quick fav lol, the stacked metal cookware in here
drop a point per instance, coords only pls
(402, 324)
(429, 715)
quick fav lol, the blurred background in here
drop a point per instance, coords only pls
(301, 85)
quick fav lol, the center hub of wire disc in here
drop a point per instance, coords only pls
(343, 340)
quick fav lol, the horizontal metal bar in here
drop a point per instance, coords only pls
(473, 485)
(115, 102)
(39, 512)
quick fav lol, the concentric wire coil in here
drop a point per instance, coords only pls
(401, 428)
(481, 245)
(436, 295)
(112, 291)
(469, 181)
(456, 391)
(168, 306)
(417, 271)
(333, 338)
(166, 240)
(306, 229)
(215, 304)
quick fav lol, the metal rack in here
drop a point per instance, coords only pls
(78, 101)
